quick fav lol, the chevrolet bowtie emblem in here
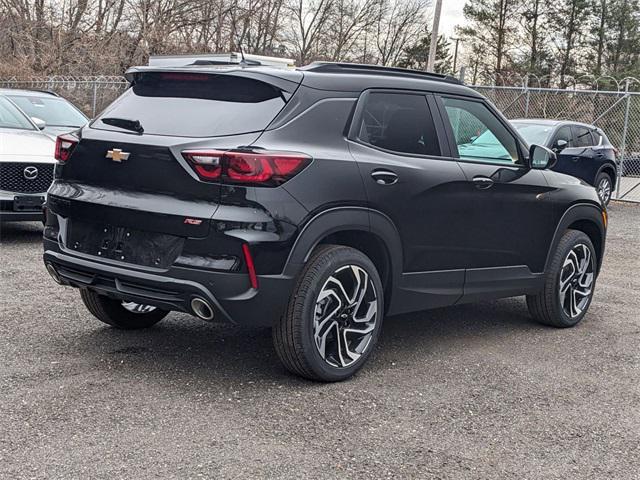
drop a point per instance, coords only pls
(117, 155)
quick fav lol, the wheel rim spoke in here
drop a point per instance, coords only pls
(604, 189)
(345, 316)
(576, 280)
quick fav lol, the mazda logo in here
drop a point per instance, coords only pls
(30, 173)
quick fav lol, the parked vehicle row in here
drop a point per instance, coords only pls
(29, 124)
(315, 201)
(583, 151)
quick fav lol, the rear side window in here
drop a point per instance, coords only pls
(196, 105)
(398, 122)
(583, 137)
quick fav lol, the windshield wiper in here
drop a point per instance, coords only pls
(133, 125)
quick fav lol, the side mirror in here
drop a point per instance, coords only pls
(541, 157)
(41, 124)
(561, 145)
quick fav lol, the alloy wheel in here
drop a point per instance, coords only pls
(604, 189)
(345, 317)
(576, 280)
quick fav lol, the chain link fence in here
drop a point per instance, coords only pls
(616, 112)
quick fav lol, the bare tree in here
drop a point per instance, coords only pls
(309, 19)
(398, 23)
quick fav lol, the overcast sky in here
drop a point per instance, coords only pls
(451, 15)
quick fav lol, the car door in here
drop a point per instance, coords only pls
(409, 176)
(507, 211)
(577, 158)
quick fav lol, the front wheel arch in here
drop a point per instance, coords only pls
(586, 217)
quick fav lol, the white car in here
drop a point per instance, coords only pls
(51, 113)
(26, 165)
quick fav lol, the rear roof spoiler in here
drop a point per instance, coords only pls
(233, 58)
(286, 80)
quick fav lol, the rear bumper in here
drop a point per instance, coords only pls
(229, 294)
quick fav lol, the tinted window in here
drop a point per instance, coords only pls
(57, 112)
(563, 133)
(196, 105)
(583, 137)
(479, 134)
(399, 122)
(11, 117)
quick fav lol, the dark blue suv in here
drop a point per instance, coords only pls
(583, 151)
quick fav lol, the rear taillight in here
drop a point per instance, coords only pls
(263, 168)
(65, 144)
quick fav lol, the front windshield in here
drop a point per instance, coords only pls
(12, 117)
(57, 112)
(534, 134)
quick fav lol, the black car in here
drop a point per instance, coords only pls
(316, 201)
(583, 151)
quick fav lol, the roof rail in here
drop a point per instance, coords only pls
(343, 67)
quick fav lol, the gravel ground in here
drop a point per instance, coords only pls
(475, 391)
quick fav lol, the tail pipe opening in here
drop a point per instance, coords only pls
(202, 309)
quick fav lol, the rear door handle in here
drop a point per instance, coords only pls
(384, 177)
(482, 183)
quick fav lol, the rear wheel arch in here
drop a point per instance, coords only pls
(367, 230)
(610, 170)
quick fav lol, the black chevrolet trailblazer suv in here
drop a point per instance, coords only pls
(315, 201)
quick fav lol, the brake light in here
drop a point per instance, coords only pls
(263, 168)
(65, 144)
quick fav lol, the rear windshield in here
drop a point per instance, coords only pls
(195, 105)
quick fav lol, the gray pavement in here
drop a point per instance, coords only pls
(474, 391)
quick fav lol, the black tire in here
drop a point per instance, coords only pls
(604, 187)
(111, 312)
(547, 307)
(293, 334)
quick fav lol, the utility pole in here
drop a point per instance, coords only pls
(455, 55)
(434, 36)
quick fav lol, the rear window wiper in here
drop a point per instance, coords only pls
(133, 125)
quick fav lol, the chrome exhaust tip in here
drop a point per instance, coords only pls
(54, 274)
(201, 308)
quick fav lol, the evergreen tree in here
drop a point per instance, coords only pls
(416, 55)
(492, 23)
